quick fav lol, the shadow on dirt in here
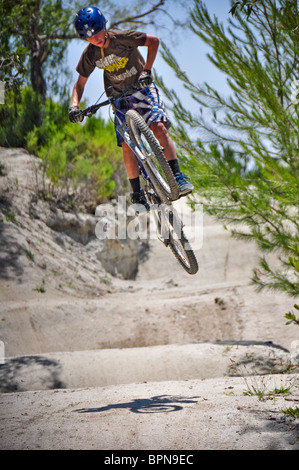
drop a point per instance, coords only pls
(157, 404)
(42, 373)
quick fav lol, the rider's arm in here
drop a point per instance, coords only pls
(76, 97)
(152, 44)
(78, 90)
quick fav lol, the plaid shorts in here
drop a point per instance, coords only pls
(147, 102)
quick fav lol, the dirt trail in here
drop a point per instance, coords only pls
(159, 362)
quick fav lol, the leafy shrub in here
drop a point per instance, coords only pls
(79, 161)
(18, 116)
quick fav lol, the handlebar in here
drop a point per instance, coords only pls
(143, 83)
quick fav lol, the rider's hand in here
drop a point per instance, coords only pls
(146, 77)
(73, 111)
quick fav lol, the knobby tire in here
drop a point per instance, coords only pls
(165, 185)
(180, 246)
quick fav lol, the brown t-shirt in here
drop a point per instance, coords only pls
(122, 63)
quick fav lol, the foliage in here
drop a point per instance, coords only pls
(242, 150)
(26, 43)
(245, 5)
(12, 56)
(81, 156)
(292, 413)
(291, 317)
(20, 113)
(80, 162)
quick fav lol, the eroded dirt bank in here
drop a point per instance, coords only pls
(156, 362)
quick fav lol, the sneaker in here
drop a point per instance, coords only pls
(140, 203)
(184, 186)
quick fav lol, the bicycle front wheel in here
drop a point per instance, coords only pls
(155, 163)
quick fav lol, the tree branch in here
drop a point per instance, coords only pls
(130, 19)
(65, 36)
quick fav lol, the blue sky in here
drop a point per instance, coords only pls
(189, 50)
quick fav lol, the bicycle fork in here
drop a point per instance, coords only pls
(160, 214)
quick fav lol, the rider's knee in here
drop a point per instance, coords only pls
(159, 130)
(127, 151)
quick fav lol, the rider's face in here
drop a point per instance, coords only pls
(98, 39)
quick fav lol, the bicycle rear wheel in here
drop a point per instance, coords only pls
(155, 163)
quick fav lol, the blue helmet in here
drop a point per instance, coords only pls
(89, 21)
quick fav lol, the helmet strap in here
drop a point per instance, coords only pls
(102, 48)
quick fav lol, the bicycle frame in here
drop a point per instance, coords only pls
(160, 209)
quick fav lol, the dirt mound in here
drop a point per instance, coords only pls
(160, 361)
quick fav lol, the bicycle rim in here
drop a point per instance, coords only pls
(178, 243)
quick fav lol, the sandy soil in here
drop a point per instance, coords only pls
(159, 362)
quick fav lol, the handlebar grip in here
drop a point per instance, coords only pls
(79, 113)
(144, 82)
(88, 111)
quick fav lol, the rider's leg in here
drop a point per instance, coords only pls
(130, 162)
(161, 133)
(131, 165)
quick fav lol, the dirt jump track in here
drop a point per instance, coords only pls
(165, 361)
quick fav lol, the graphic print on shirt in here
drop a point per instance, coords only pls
(113, 63)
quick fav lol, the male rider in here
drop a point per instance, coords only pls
(116, 52)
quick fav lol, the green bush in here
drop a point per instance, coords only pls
(18, 116)
(80, 161)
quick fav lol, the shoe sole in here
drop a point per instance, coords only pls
(187, 191)
(143, 210)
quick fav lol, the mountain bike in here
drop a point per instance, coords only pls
(158, 182)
